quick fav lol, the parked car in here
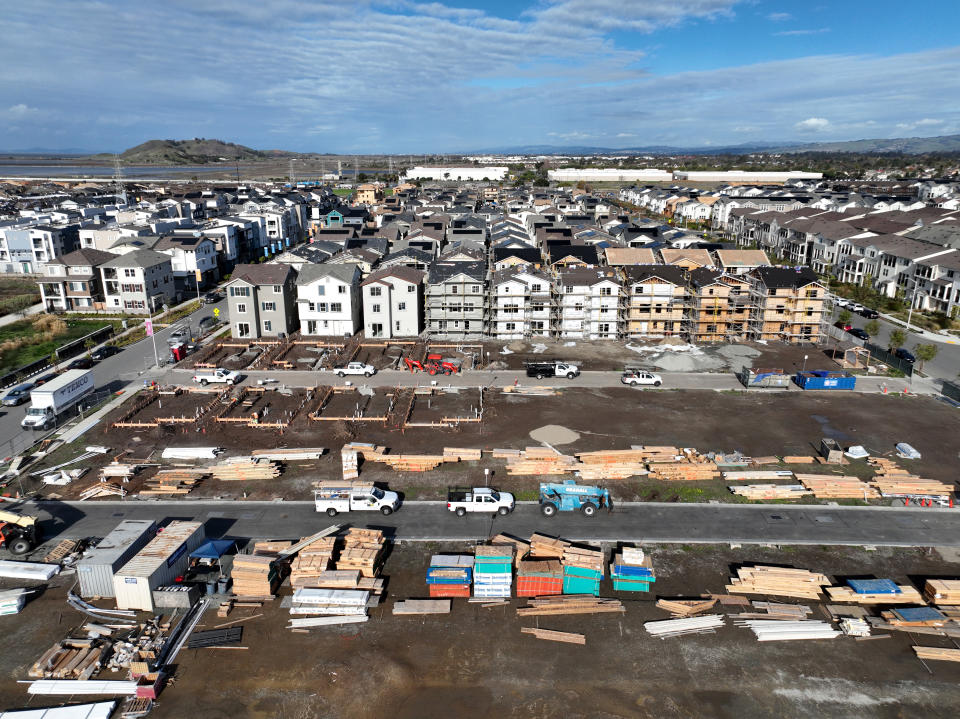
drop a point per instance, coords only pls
(905, 355)
(855, 307)
(18, 395)
(355, 368)
(37, 381)
(179, 334)
(841, 301)
(869, 313)
(639, 376)
(859, 333)
(212, 298)
(217, 376)
(81, 363)
(104, 352)
(845, 326)
(207, 323)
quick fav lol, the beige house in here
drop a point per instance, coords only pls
(689, 259)
(787, 304)
(656, 301)
(369, 194)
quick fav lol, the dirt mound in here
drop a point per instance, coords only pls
(553, 434)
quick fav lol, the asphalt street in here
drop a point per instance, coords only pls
(431, 521)
(133, 363)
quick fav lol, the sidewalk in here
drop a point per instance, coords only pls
(926, 334)
(17, 317)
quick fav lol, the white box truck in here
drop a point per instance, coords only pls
(336, 497)
(53, 399)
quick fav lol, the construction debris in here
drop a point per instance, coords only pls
(686, 607)
(550, 635)
(569, 604)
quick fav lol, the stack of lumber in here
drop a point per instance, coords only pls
(312, 562)
(915, 617)
(450, 575)
(539, 578)
(684, 471)
(348, 460)
(855, 627)
(612, 464)
(330, 602)
(798, 459)
(775, 610)
(460, 454)
(271, 547)
(254, 576)
(631, 570)
(493, 570)
(370, 452)
(509, 454)
(411, 462)
(829, 486)
(245, 469)
(687, 625)
(541, 461)
(770, 491)
(290, 454)
(778, 581)
(363, 551)
(172, 481)
(892, 480)
(103, 489)
(569, 604)
(544, 547)
(653, 454)
(761, 474)
(120, 471)
(69, 659)
(422, 606)
(521, 548)
(875, 591)
(778, 631)
(686, 607)
(554, 636)
(582, 570)
(942, 591)
(937, 654)
(339, 579)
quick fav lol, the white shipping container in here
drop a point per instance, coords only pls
(156, 565)
(95, 571)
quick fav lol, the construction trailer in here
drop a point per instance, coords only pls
(95, 571)
(159, 563)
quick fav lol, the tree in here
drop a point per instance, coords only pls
(925, 353)
(897, 339)
(872, 327)
(844, 316)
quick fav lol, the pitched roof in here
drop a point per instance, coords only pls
(671, 273)
(311, 273)
(138, 258)
(527, 254)
(742, 258)
(774, 277)
(673, 256)
(83, 256)
(443, 271)
(586, 276)
(408, 274)
(629, 256)
(585, 253)
(269, 274)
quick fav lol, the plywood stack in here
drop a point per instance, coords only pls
(348, 461)
(460, 454)
(829, 486)
(493, 570)
(612, 464)
(778, 581)
(243, 469)
(69, 659)
(255, 576)
(631, 570)
(758, 492)
(942, 591)
(312, 562)
(684, 471)
(569, 604)
(538, 578)
(173, 482)
(411, 462)
(363, 551)
(875, 591)
(582, 570)
(686, 607)
(541, 461)
(544, 547)
(450, 575)
(521, 548)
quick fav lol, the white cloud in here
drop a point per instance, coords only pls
(794, 33)
(814, 124)
(779, 17)
(925, 122)
(20, 110)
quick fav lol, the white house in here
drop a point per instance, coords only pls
(589, 303)
(519, 304)
(328, 299)
(393, 303)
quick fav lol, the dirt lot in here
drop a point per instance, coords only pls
(474, 663)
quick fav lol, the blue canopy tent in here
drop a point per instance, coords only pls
(212, 549)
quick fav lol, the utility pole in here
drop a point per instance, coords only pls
(291, 173)
(153, 336)
(118, 180)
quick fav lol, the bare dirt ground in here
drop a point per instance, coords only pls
(611, 418)
(475, 664)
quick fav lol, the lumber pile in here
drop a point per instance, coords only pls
(312, 563)
(553, 636)
(569, 604)
(362, 551)
(521, 548)
(450, 575)
(103, 489)
(686, 607)
(493, 570)
(370, 452)
(631, 570)
(422, 606)
(875, 591)
(330, 602)
(684, 471)
(666, 453)
(338, 579)
(688, 625)
(539, 578)
(69, 659)
(255, 576)
(544, 547)
(778, 581)
(582, 570)
(245, 468)
(348, 460)
(892, 480)
(612, 464)
(759, 474)
(777, 631)
(828, 486)
(937, 654)
(460, 454)
(411, 462)
(942, 591)
(541, 461)
(915, 617)
(798, 459)
(117, 470)
(172, 482)
(758, 492)
(776, 610)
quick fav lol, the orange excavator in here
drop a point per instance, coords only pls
(434, 364)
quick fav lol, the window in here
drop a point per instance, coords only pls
(311, 307)
(341, 290)
(243, 329)
(811, 294)
(267, 326)
(568, 289)
(401, 306)
(241, 307)
(268, 306)
(131, 288)
(322, 307)
(375, 308)
(128, 272)
(606, 291)
(411, 288)
(535, 288)
(78, 286)
(454, 290)
(510, 326)
(376, 329)
(278, 289)
(239, 291)
(336, 307)
(475, 289)
(398, 325)
(321, 290)
(376, 291)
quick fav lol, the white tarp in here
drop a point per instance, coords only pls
(190, 453)
(77, 686)
(100, 710)
(11, 569)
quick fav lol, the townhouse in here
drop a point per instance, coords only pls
(787, 304)
(261, 301)
(393, 303)
(328, 300)
(520, 303)
(456, 299)
(587, 303)
(138, 282)
(73, 283)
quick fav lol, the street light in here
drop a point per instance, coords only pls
(804, 368)
(149, 326)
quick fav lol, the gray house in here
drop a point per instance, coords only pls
(138, 282)
(262, 301)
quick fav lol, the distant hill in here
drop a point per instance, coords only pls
(905, 145)
(198, 151)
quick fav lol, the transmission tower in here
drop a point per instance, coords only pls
(118, 180)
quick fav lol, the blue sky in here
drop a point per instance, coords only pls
(355, 76)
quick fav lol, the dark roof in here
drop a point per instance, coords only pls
(585, 253)
(527, 254)
(403, 273)
(84, 256)
(671, 273)
(269, 274)
(702, 276)
(443, 271)
(774, 277)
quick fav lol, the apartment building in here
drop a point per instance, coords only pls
(328, 300)
(720, 306)
(393, 303)
(520, 304)
(138, 282)
(456, 299)
(587, 303)
(72, 282)
(656, 301)
(261, 301)
(787, 304)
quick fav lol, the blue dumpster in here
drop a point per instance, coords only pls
(825, 379)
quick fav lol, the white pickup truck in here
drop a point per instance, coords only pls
(222, 376)
(336, 497)
(479, 499)
(355, 368)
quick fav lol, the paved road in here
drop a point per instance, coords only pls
(635, 522)
(134, 362)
